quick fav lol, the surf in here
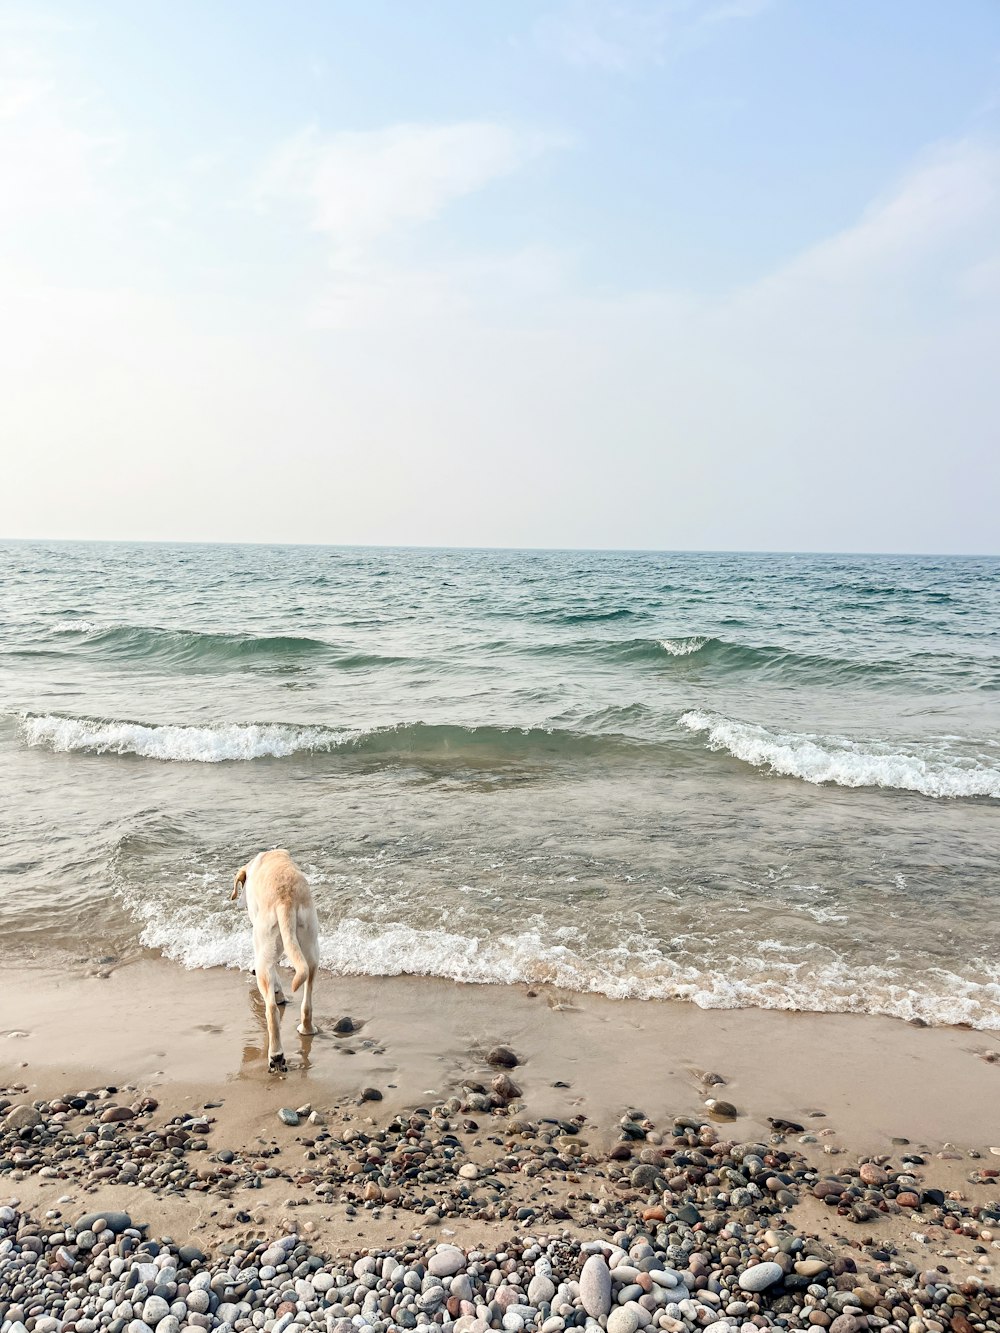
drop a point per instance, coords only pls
(934, 769)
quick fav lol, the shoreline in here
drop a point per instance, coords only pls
(873, 1077)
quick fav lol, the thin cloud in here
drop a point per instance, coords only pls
(361, 186)
(620, 37)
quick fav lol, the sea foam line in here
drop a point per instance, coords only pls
(205, 745)
(538, 956)
(929, 770)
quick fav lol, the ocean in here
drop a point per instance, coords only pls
(735, 780)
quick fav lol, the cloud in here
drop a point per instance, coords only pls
(624, 36)
(46, 162)
(952, 190)
(361, 186)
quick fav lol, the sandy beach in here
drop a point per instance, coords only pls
(181, 1055)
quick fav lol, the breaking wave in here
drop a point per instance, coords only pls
(936, 770)
(241, 741)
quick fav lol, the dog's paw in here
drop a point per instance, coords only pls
(277, 1065)
(306, 1032)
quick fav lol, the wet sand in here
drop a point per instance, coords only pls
(157, 1025)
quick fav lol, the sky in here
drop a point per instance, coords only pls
(664, 274)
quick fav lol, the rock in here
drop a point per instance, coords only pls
(811, 1267)
(116, 1222)
(844, 1323)
(504, 1086)
(22, 1117)
(155, 1309)
(541, 1288)
(469, 1171)
(446, 1261)
(622, 1320)
(721, 1110)
(287, 1116)
(115, 1114)
(370, 1095)
(872, 1174)
(760, 1276)
(644, 1177)
(502, 1057)
(595, 1287)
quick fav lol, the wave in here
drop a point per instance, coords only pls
(594, 616)
(543, 956)
(684, 647)
(935, 770)
(196, 648)
(704, 651)
(241, 741)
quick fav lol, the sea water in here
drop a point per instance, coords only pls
(732, 779)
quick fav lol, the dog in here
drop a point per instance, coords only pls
(283, 915)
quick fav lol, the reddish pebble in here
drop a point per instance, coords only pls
(116, 1113)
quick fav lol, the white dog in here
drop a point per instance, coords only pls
(283, 915)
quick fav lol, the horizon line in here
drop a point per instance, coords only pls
(553, 550)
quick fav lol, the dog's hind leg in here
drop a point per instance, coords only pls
(267, 958)
(306, 1016)
(308, 937)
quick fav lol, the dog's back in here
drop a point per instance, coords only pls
(276, 873)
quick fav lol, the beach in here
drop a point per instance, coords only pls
(530, 1114)
(658, 981)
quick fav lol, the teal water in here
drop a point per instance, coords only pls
(735, 779)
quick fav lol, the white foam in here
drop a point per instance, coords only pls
(73, 627)
(201, 745)
(683, 647)
(633, 969)
(932, 770)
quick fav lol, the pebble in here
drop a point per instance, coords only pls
(287, 1116)
(760, 1277)
(695, 1256)
(595, 1287)
(622, 1320)
(22, 1117)
(446, 1261)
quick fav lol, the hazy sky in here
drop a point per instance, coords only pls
(655, 273)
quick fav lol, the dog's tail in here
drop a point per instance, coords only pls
(286, 924)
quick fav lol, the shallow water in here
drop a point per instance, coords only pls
(769, 780)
